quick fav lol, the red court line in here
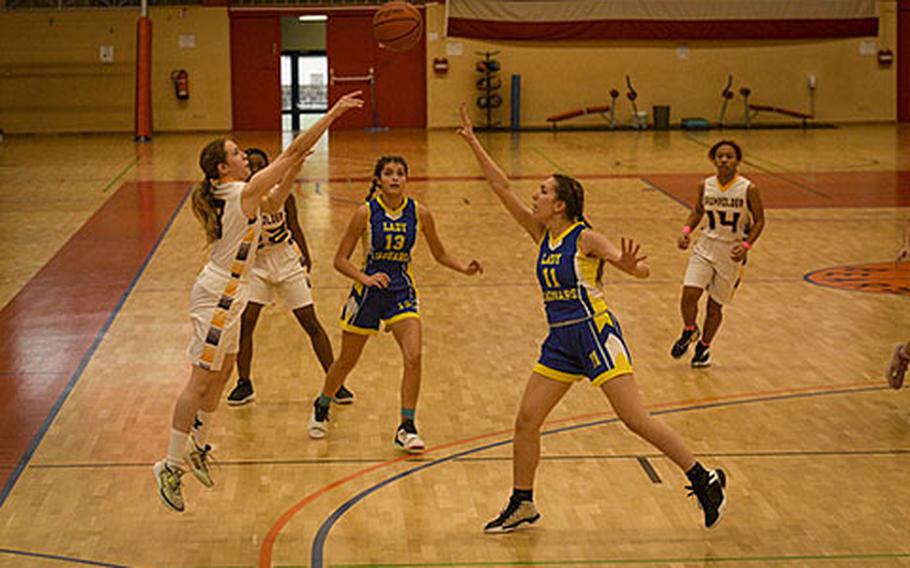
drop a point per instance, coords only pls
(806, 190)
(268, 542)
(47, 328)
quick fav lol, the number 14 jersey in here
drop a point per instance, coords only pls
(727, 209)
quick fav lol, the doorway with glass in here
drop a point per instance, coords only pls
(304, 88)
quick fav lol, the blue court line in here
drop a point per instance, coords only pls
(60, 558)
(83, 363)
(316, 556)
(653, 185)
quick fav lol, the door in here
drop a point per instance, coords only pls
(304, 84)
(255, 72)
(397, 96)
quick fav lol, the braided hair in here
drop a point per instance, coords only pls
(203, 196)
(381, 163)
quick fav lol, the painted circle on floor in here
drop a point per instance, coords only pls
(879, 278)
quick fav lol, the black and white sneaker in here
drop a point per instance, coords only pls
(702, 357)
(318, 426)
(514, 515)
(343, 396)
(407, 438)
(710, 494)
(242, 393)
(688, 337)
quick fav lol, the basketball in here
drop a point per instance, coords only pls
(397, 26)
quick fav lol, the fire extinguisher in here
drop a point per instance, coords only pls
(181, 80)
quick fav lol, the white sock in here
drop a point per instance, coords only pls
(176, 448)
(201, 432)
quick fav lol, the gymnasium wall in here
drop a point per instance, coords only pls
(52, 79)
(560, 76)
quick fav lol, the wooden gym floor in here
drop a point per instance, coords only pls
(102, 249)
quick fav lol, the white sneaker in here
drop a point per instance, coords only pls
(410, 442)
(318, 426)
(169, 485)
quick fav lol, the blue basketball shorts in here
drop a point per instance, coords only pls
(592, 349)
(367, 307)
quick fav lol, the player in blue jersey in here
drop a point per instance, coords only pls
(384, 291)
(585, 340)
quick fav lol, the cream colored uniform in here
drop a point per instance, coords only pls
(279, 268)
(220, 292)
(728, 221)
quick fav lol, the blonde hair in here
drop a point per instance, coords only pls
(203, 199)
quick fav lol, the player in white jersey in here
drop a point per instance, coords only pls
(282, 268)
(735, 220)
(229, 210)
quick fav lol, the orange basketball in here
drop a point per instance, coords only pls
(397, 26)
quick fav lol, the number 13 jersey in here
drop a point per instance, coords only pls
(727, 209)
(388, 240)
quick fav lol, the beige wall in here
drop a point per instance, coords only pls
(51, 79)
(556, 77)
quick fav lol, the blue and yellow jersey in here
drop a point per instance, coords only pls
(568, 278)
(388, 240)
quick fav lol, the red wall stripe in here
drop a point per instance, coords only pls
(664, 29)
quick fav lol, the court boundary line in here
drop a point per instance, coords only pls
(316, 556)
(271, 536)
(15, 552)
(86, 357)
(669, 560)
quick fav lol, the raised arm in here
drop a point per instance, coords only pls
(274, 199)
(625, 258)
(498, 180)
(343, 262)
(693, 220)
(267, 177)
(428, 224)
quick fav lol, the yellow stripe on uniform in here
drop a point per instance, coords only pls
(560, 376)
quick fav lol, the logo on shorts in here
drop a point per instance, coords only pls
(881, 278)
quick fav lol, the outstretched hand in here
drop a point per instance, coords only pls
(629, 260)
(466, 130)
(903, 255)
(347, 102)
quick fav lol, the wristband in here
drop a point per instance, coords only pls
(686, 229)
(746, 245)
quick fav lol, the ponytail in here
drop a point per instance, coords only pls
(599, 278)
(374, 185)
(570, 191)
(203, 202)
(203, 199)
